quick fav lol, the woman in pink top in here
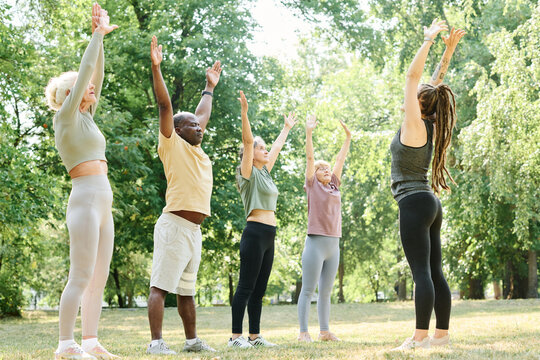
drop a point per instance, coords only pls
(320, 258)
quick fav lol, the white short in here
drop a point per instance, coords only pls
(177, 255)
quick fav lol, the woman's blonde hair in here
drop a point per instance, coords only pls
(56, 90)
(321, 163)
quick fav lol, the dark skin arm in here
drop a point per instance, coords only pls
(202, 113)
(166, 124)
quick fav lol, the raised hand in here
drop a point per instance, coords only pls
(96, 10)
(347, 131)
(311, 122)
(243, 102)
(290, 120)
(212, 74)
(103, 25)
(156, 53)
(452, 39)
(435, 28)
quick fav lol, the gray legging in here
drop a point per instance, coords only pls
(91, 239)
(320, 261)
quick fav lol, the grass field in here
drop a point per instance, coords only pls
(479, 329)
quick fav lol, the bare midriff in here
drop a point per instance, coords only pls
(267, 217)
(193, 216)
(92, 167)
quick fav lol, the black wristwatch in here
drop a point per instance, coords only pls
(207, 93)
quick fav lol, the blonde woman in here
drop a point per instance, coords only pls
(81, 145)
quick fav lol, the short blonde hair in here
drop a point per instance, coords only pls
(321, 163)
(56, 90)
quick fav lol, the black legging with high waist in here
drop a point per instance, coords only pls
(420, 218)
(256, 258)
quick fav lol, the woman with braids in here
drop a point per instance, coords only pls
(259, 196)
(89, 218)
(429, 117)
(320, 258)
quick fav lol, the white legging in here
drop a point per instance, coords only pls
(91, 235)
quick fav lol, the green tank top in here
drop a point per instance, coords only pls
(259, 191)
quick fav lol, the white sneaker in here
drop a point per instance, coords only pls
(99, 352)
(411, 344)
(445, 340)
(160, 349)
(73, 352)
(239, 342)
(260, 341)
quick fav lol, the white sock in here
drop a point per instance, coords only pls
(89, 344)
(191, 341)
(155, 342)
(64, 344)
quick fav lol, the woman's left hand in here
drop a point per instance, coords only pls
(96, 10)
(347, 131)
(452, 39)
(290, 120)
(103, 26)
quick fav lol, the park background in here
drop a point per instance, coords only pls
(348, 61)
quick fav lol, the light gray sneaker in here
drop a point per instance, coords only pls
(445, 340)
(411, 344)
(260, 341)
(160, 349)
(198, 346)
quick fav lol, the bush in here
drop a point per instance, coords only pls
(11, 296)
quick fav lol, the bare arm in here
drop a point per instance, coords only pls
(413, 132)
(204, 109)
(280, 141)
(311, 123)
(163, 100)
(247, 140)
(340, 160)
(97, 76)
(451, 42)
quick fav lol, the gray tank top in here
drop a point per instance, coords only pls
(410, 165)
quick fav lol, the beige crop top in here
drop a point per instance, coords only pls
(76, 135)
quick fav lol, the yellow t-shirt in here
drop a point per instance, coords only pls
(189, 175)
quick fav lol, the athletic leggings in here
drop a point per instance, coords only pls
(420, 218)
(256, 258)
(320, 261)
(91, 237)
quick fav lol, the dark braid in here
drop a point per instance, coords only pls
(439, 103)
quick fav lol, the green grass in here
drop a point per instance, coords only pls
(480, 330)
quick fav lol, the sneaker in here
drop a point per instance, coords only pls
(445, 340)
(328, 337)
(74, 352)
(160, 349)
(304, 337)
(239, 342)
(100, 352)
(198, 346)
(411, 344)
(260, 341)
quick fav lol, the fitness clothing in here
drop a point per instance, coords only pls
(410, 165)
(91, 236)
(177, 255)
(320, 261)
(420, 218)
(189, 175)
(324, 207)
(256, 258)
(76, 135)
(259, 191)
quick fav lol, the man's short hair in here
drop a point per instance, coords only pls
(181, 117)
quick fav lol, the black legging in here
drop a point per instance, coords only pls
(256, 258)
(420, 218)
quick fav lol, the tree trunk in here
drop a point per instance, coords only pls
(532, 291)
(116, 278)
(497, 292)
(475, 288)
(231, 289)
(402, 287)
(297, 291)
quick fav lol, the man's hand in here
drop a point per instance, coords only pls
(156, 53)
(452, 39)
(212, 75)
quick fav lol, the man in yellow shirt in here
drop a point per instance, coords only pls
(177, 234)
